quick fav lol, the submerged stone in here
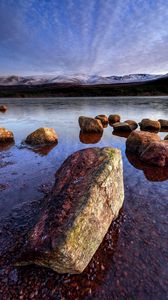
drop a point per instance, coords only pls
(87, 196)
(42, 136)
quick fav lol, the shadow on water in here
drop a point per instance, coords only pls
(90, 138)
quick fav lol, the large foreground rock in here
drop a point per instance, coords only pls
(149, 125)
(87, 195)
(139, 140)
(90, 125)
(42, 136)
(156, 154)
(6, 136)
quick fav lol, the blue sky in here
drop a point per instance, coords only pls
(105, 37)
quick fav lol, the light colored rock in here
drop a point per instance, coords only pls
(6, 136)
(156, 154)
(149, 125)
(42, 136)
(90, 124)
(139, 140)
(87, 196)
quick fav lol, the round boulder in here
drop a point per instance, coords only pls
(42, 136)
(149, 125)
(139, 140)
(6, 136)
(90, 124)
(103, 119)
(156, 154)
(114, 119)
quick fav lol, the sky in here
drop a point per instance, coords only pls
(102, 37)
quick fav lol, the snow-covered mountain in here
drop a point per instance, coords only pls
(79, 79)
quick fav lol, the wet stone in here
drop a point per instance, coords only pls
(87, 196)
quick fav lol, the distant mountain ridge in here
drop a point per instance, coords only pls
(79, 79)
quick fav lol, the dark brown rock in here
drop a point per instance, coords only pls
(114, 119)
(149, 125)
(166, 137)
(103, 119)
(139, 140)
(6, 136)
(3, 108)
(90, 125)
(156, 154)
(42, 136)
(124, 134)
(133, 125)
(87, 195)
(163, 123)
(122, 126)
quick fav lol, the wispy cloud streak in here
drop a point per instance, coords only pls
(83, 36)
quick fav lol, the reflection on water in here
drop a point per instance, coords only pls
(90, 138)
(152, 173)
(124, 134)
(6, 146)
(131, 261)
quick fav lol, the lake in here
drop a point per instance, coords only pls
(131, 261)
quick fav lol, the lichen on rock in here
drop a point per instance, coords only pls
(87, 196)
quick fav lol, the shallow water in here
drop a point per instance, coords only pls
(131, 261)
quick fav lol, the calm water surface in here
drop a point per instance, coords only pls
(131, 263)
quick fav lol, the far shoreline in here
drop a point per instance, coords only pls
(157, 87)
